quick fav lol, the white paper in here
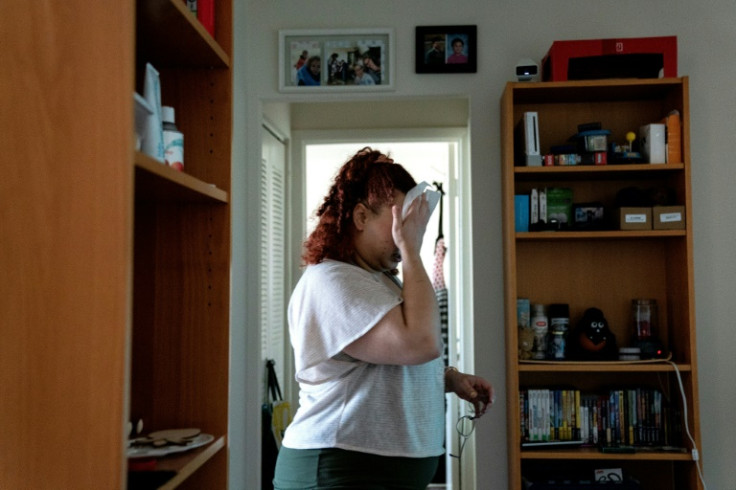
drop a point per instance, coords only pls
(433, 197)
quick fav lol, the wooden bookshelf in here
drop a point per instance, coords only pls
(179, 358)
(601, 268)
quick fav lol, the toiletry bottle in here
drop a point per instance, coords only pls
(540, 325)
(559, 321)
(173, 140)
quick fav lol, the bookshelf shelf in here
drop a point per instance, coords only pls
(595, 454)
(186, 464)
(157, 182)
(599, 235)
(592, 170)
(606, 269)
(172, 36)
(599, 367)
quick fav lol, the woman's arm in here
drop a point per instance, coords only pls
(410, 332)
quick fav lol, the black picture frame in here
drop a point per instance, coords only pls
(435, 49)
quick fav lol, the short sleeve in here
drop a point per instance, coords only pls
(333, 305)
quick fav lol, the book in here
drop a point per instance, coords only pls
(206, 15)
(558, 205)
(521, 213)
(673, 137)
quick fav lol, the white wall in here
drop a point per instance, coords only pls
(507, 31)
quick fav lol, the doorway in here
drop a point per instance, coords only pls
(419, 123)
(434, 156)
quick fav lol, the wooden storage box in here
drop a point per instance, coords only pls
(668, 217)
(635, 218)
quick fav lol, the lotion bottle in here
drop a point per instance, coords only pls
(173, 140)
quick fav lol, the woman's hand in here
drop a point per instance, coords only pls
(471, 388)
(408, 232)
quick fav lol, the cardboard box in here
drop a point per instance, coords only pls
(645, 57)
(635, 218)
(668, 217)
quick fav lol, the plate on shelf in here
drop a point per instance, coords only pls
(153, 452)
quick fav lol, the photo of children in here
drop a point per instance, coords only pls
(301, 72)
(446, 49)
(346, 55)
(331, 60)
(458, 49)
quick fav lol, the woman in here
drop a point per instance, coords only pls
(367, 348)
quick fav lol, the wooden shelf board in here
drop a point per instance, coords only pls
(602, 169)
(600, 366)
(587, 235)
(185, 464)
(182, 42)
(155, 181)
(587, 90)
(594, 453)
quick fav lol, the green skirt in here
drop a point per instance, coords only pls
(317, 469)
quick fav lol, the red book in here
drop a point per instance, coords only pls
(206, 15)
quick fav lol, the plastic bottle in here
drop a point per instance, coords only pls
(173, 140)
(540, 324)
(559, 321)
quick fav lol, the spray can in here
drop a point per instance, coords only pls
(540, 325)
(173, 140)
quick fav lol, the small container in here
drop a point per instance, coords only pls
(173, 140)
(540, 325)
(559, 324)
(629, 354)
(644, 319)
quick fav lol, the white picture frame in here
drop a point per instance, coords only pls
(348, 60)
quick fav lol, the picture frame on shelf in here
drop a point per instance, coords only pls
(332, 60)
(446, 49)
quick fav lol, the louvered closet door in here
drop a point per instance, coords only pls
(273, 246)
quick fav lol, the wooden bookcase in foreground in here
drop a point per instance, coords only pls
(116, 268)
(181, 259)
(604, 269)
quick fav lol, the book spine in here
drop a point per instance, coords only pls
(673, 137)
(206, 15)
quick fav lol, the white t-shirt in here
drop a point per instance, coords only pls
(345, 403)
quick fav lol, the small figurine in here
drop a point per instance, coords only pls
(592, 340)
(630, 137)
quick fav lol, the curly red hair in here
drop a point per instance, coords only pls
(369, 177)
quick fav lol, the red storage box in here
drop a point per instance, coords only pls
(644, 57)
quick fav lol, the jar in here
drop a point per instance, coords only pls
(644, 319)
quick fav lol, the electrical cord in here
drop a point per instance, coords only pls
(465, 426)
(695, 454)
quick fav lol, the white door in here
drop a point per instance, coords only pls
(273, 251)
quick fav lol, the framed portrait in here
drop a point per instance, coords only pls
(446, 49)
(336, 60)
